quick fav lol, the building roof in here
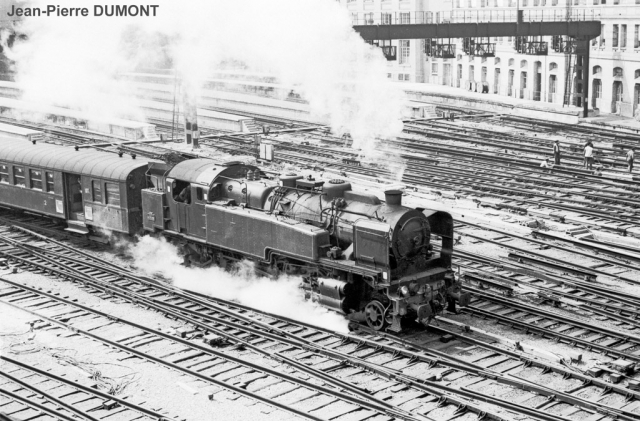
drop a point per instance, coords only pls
(98, 164)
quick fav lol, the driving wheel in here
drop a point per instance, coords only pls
(375, 314)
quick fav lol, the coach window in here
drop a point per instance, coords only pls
(97, 191)
(112, 194)
(50, 185)
(4, 173)
(18, 176)
(35, 179)
(199, 194)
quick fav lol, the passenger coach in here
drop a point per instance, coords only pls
(87, 189)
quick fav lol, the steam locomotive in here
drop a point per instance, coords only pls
(372, 261)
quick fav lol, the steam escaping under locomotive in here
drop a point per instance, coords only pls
(369, 260)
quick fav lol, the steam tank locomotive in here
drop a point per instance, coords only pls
(369, 260)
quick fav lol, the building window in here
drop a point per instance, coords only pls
(407, 77)
(597, 91)
(18, 176)
(112, 194)
(434, 68)
(617, 72)
(553, 66)
(35, 179)
(523, 64)
(389, 75)
(511, 62)
(405, 18)
(50, 185)
(602, 36)
(597, 69)
(96, 186)
(4, 173)
(637, 74)
(636, 38)
(400, 76)
(496, 61)
(404, 51)
(386, 18)
(614, 42)
(623, 36)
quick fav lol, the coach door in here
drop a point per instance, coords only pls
(73, 191)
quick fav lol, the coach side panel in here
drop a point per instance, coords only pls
(32, 189)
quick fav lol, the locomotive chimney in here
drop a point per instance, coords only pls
(393, 197)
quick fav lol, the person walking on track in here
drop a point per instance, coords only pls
(588, 155)
(630, 158)
(556, 152)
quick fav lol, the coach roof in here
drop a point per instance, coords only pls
(66, 159)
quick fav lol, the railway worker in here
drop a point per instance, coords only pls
(556, 152)
(185, 195)
(598, 171)
(545, 164)
(630, 158)
(588, 155)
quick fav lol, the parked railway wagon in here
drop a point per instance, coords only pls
(164, 111)
(368, 260)
(90, 190)
(9, 131)
(251, 87)
(66, 118)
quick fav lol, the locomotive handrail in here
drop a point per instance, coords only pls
(375, 214)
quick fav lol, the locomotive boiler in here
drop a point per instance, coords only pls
(371, 261)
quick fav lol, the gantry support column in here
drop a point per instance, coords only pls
(582, 74)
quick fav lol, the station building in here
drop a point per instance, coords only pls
(547, 76)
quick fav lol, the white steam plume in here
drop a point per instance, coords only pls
(282, 296)
(74, 61)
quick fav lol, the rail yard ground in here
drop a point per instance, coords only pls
(551, 258)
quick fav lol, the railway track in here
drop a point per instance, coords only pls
(334, 350)
(29, 393)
